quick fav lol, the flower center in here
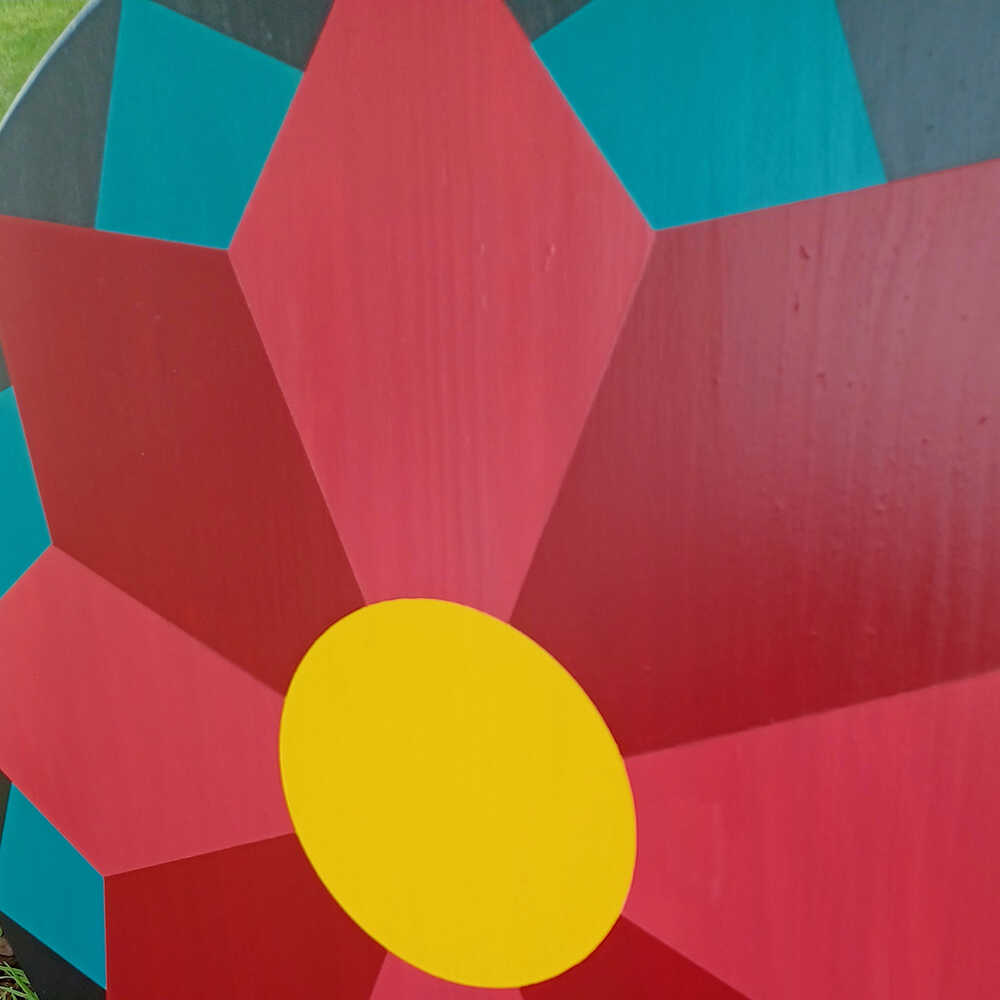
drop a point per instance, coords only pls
(458, 793)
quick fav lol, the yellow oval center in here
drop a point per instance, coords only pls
(458, 793)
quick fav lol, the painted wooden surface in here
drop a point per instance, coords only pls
(930, 77)
(50, 889)
(165, 455)
(255, 920)
(438, 261)
(631, 963)
(184, 149)
(23, 531)
(848, 854)
(57, 896)
(738, 477)
(792, 463)
(164, 749)
(272, 26)
(399, 981)
(537, 16)
(52, 141)
(718, 107)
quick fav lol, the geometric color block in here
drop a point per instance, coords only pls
(931, 78)
(716, 108)
(848, 854)
(255, 920)
(421, 257)
(391, 725)
(52, 139)
(184, 148)
(23, 532)
(412, 333)
(537, 16)
(51, 975)
(50, 890)
(165, 454)
(399, 981)
(631, 963)
(287, 31)
(140, 743)
(784, 499)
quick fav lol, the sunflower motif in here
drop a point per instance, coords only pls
(459, 578)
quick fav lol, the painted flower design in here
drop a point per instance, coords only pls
(444, 361)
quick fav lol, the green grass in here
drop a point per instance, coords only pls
(27, 29)
(18, 987)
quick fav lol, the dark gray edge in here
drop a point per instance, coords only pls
(4, 796)
(85, 11)
(292, 51)
(52, 977)
(536, 17)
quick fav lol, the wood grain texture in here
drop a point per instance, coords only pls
(165, 455)
(52, 977)
(783, 500)
(184, 149)
(439, 261)
(718, 107)
(930, 77)
(631, 963)
(286, 31)
(850, 854)
(256, 922)
(52, 143)
(138, 742)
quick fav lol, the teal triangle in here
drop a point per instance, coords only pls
(192, 119)
(48, 888)
(718, 107)
(23, 532)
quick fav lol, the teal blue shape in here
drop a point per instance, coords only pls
(192, 118)
(24, 535)
(50, 890)
(716, 107)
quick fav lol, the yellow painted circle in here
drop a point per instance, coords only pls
(458, 793)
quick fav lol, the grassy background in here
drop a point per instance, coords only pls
(27, 29)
